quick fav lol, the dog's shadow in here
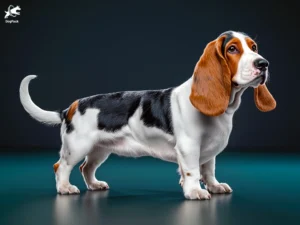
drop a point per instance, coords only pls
(138, 207)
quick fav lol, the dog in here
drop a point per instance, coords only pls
(189, 124)
(12, 11)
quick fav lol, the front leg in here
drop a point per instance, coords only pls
(188, 154)
(209, 179)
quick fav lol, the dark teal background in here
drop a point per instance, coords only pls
(146, 191)
(82, 48)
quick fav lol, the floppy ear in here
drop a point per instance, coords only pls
(264, 100)
(211, 81)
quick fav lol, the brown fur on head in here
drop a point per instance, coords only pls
(212, 79)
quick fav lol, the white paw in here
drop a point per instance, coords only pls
(98, 185)
(66, 189)
(220, 188)
(197, 193)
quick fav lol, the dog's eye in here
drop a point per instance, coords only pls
(232, 49)
(254, 48)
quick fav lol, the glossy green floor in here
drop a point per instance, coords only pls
(266, 190)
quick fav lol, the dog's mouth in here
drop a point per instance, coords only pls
(262, 78)
(235, 84)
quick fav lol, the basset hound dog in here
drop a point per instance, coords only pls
(189, 124)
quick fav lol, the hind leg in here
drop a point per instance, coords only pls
(62, 173)
(73, 150)
(88, 168)
(181, 180)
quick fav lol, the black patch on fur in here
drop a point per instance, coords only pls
(229, 36)
(69, 125)
(117, 108)
(157, 110)
(61, 114)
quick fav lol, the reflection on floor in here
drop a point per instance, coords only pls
(146, 191)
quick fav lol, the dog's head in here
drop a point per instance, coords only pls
(230, 61)
(16, 10)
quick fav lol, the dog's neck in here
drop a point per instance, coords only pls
(234, 101)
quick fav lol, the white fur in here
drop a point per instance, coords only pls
(33, 110)
(246, 70)
(196, 141)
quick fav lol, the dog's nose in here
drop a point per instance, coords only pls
(261, 64)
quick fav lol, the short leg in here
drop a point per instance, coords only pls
(70, 155)
(210, 181)
(181, 180)
(88, 169)
(188, 154)
(62, 171)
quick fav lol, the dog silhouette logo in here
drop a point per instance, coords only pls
(12, 11)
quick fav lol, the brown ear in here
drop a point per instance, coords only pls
(264, 101)
(211, 81)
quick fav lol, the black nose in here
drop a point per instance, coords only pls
(261, 64)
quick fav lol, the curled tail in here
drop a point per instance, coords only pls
(47, 117)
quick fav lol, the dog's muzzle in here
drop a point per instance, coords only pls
(264, 76)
